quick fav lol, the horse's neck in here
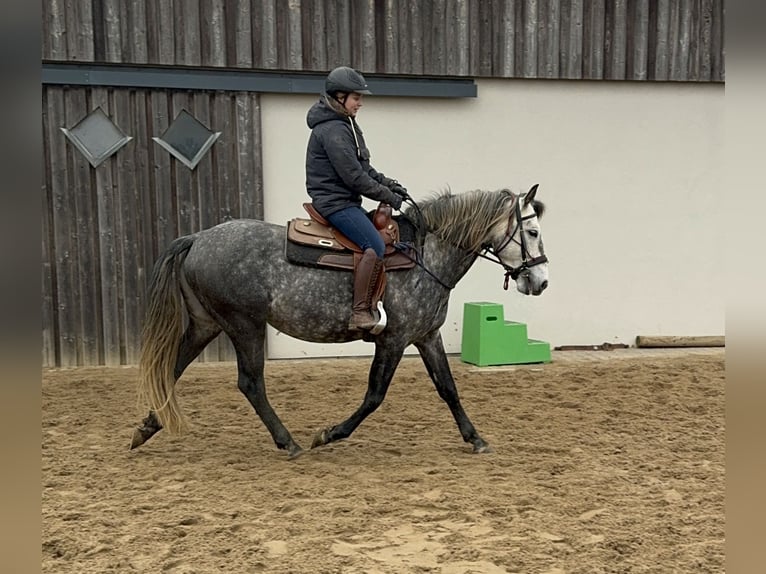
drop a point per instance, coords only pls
(447, 262)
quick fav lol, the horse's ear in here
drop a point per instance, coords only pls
(530, 195)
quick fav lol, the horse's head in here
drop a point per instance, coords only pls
(497, 225)
(518, 243)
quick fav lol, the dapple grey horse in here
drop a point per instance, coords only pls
(234, 278)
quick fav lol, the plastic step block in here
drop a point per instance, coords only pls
(488, 339)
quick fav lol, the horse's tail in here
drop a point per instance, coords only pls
(161, 336)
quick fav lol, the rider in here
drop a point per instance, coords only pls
(338, 174)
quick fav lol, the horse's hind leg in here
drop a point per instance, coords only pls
(194, 340)
(381, 372)
(432, 352)
(250, 364)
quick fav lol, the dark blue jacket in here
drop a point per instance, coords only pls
(338, 170)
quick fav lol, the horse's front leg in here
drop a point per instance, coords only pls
(381, 372)
(432, 352)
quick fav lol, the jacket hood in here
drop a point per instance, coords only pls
(325, 111)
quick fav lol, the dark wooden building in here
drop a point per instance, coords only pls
(128, 71)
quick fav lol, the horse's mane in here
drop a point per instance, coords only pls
(465, 219)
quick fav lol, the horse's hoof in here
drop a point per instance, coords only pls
(321, 438)
(294, 452)
(139, 438)
(482, 448)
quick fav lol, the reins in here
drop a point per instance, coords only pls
(418, 260)
(420, 242)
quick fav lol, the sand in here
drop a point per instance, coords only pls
(602, 462)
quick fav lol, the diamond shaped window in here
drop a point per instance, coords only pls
(96, 136)
(187, 140)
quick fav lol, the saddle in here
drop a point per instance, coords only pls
(314, 242)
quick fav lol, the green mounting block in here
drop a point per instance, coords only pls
(488, 339)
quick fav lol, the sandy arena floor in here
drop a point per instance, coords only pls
(603, 462)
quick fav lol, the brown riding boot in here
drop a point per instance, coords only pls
(366, 278)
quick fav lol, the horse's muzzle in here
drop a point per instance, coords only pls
(527, 287)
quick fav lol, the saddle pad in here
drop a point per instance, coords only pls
(310, 255)
(311, 233)
(319, 257)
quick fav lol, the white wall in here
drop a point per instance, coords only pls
(630, 173)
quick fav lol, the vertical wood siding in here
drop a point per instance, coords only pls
(104, 227)
(679, 40)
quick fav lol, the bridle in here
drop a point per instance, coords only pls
(527, 262)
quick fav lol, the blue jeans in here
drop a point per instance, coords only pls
(354, 224)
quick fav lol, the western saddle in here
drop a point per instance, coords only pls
(341, 252)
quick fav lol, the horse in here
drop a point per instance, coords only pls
(234, 278)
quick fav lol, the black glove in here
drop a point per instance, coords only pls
(395, 201)
(399, 189)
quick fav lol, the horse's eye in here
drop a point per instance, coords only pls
(533, 232)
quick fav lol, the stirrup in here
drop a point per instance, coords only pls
(381, 324)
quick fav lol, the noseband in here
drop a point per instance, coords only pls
(526, 261)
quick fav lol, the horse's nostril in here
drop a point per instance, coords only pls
(544, 285)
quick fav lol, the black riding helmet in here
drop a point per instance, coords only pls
(347, 80)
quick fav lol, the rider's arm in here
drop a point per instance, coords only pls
(341, 150)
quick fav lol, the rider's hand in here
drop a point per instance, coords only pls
(395, 201)
(399, 190)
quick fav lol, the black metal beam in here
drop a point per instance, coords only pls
(60, 73)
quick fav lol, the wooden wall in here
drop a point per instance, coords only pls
(104, 227)
(580, 39)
